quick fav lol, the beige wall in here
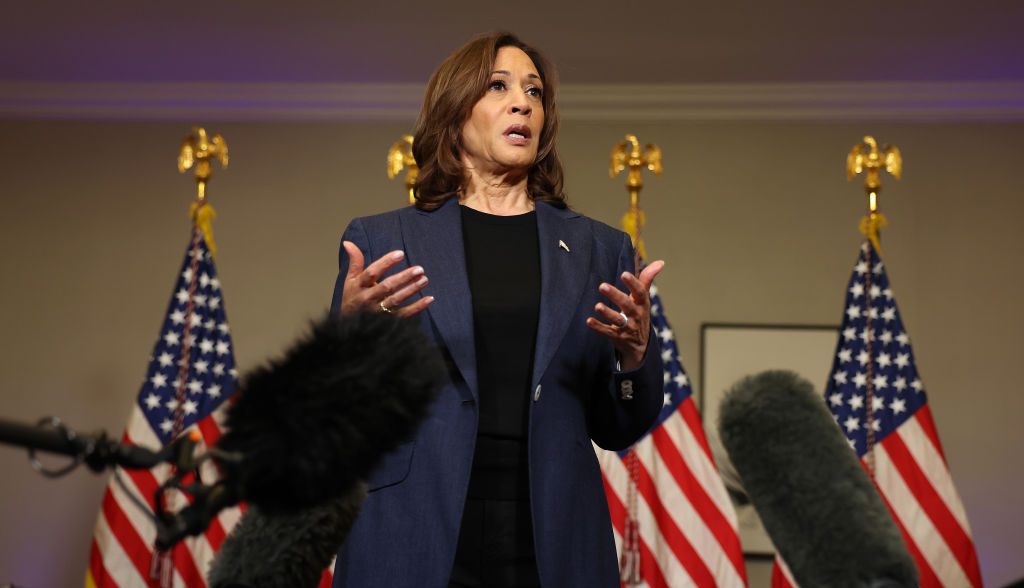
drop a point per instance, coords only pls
(755, 220)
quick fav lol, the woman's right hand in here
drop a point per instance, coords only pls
(362, 291)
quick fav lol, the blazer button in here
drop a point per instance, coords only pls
(536, 393)
(626, 389)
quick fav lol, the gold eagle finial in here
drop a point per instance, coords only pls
(400, 157)
(200, 150)
(867, 157)
(628, 154)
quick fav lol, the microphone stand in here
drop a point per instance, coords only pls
(98, 452)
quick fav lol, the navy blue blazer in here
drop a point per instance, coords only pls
(407, 531)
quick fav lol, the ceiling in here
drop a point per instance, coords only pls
(591, 42)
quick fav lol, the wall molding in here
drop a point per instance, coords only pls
(833, 101)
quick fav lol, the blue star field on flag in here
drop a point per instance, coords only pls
(676, 382)
(195, 321)
(873, 351)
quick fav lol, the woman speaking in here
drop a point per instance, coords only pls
(545, 331)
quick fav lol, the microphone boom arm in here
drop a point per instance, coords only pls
(99, 452)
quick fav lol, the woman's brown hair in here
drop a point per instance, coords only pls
(459, 82)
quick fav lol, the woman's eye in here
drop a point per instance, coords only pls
(496, 85)
(535, 92)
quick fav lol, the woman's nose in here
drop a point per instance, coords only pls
(521, 105)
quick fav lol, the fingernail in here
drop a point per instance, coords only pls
(398, 255)
(430, 299)
(421, 281)
(417, 270)
(603, 287)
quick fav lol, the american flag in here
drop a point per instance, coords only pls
(190, 377)
(876, 395)
(667, 489)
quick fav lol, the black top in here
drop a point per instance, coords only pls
(503, 266)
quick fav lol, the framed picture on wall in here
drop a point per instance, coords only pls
(730, 352)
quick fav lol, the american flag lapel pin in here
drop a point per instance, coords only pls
(562, 244)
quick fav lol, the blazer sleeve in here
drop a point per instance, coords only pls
(628, 406)
(357, 234)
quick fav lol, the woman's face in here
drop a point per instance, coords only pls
(502, 132)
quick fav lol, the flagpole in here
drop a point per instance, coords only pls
(627, 155)
(198, 151)
(866, 157)
(400, 157)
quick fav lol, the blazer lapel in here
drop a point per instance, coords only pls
(434, 240)
(565, 248)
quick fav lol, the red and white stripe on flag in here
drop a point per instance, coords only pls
(687, 525)
(913, 478)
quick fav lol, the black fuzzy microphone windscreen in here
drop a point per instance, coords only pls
(285, 550)
(822, 512)
(312, 424)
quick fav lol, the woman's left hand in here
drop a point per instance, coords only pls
(628, 327)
